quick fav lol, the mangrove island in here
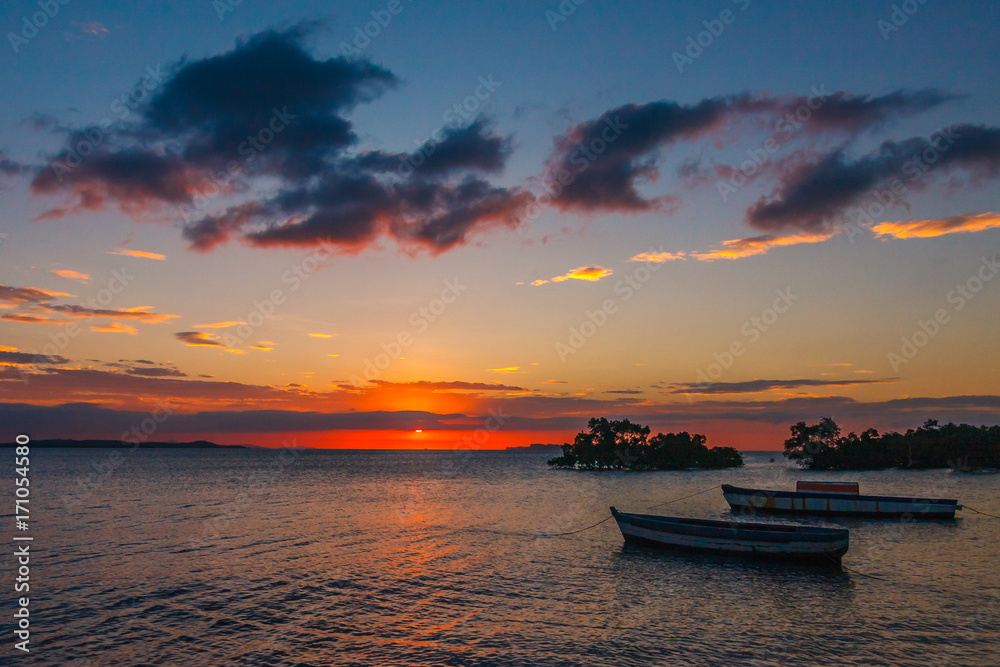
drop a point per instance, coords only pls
(963, 447)
(620, 444)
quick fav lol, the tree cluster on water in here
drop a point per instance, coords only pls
(963, 447)
(620, 444)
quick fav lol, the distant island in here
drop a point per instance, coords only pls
(622, 445)
(963, 447)
(533, 447)
(118, 444)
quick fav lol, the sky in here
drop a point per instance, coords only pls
(406, 224)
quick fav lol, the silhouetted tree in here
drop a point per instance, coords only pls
(622, 444)
(819, 447)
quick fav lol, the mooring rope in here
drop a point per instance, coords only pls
(574, 532)
(994, 516)
(711, 488)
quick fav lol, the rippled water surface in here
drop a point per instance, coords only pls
(252, 557)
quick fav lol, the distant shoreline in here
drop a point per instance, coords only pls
(62, 443)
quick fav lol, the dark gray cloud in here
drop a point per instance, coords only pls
(854, 113)
(159, 372)
(448, 384)
(9, 167)
(196, 339)
(609, 156)
(757, 386)
(269, 109)
(27, 359)
(812, 195)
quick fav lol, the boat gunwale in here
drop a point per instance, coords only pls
(754, 532)
(768, 493)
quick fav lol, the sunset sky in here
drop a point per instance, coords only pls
(341, 223)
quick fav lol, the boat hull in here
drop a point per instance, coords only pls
(771, 541)
(817, 503)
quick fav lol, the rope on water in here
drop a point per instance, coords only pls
(994, 516)
(850, 569)
(574, 532)
(711, 488)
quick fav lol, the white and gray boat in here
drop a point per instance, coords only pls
(837, 499)
(764, 540)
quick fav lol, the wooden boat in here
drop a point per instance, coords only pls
(767, 540)
(837, 499)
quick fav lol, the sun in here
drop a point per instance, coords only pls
(419, 430)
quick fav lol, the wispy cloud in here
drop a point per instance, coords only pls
(218, 325)
(588, 273)
(759, 245)
(136, 253)
(114, 327)
(451, 385)
(757, 386)
(925, 229)
(658, 257)
(70, 275)
(321, 335)
(95, 28)
(198, 339)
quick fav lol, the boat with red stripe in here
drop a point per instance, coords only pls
(820, 498)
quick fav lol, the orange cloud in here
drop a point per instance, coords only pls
(32, 319)
(321, 335)
(136, 253)
(926, 229)
(19, 295)
(759, 245)
(71, 275)
(198, 339)
(217, 325)
(95, 28)
(589, 273)
(506, 369)
(658, 257)
(115, 327)
(143, 313)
